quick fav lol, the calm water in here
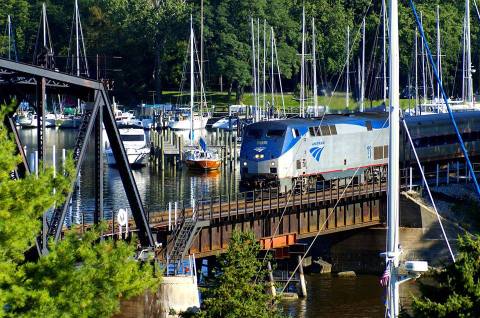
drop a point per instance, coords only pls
(332, 297)
(328, 296)
(156, 188)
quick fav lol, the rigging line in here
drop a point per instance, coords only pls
(445, 97)
(329, 214)
(428, 189)
(476, 9)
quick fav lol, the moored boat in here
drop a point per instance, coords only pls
(202, 158)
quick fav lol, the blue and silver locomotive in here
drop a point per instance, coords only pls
(284, 152)
(299, 152)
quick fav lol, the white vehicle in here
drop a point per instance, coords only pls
(185, 122)
(226, 123)
(135, 144)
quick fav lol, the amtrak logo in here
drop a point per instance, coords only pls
(259, 149)
(316, 152)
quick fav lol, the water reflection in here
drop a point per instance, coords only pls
(332, 297)
(156, 187)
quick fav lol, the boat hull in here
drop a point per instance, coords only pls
(136, 157)
(184, 124)
(203, 164)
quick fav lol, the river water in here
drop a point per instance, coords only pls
(328, 296)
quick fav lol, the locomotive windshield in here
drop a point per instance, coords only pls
(275, 133)
(254, 133)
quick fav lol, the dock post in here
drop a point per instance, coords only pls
(303, 284)
(169, 216)
(271, 280)
(64, 155)
(234, 152)
(180, 148)
(174, 162)
(411, 177)
(162, 155)
(437, 175)
(217, 136)
(175, 210)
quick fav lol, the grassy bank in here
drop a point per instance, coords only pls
(221, 101)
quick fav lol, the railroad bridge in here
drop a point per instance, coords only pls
(278, 218)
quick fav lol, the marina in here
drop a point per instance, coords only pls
(302, 168)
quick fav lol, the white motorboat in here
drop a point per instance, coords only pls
(135, 144)
(226, 123)
(30, 120)
(181, 122)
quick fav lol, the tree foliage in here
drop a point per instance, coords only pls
(239, 290)
(80, 277)
(151, 36)
(456, 292)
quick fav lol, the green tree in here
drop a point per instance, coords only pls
(81, 276)
(456, 292)
(236, 292)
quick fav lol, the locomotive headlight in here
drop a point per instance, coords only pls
(261, 156)
(273, 163)
(257, 156)
(244, 163)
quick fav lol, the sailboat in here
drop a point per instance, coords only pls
(202, 158)
(191, 120)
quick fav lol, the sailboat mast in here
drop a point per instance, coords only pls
(264, 66)
(347, 97)
(254, 58)
(77, 46)
(384, 6)
(417, 101)
(302, 71)
(202, 88)
(272, 80)
(258, 68)
(423, 68)
(192, 81)
(362, 88)
(278, 73)
(393, 164)
(315, 99)
(469, 54)
(9, 26)
(439, 63)
(44, 24)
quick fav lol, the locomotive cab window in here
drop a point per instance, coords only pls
(275, 133)
(255, 133)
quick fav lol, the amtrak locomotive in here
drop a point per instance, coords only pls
(293, 152)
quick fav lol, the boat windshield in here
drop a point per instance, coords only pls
(133, 137)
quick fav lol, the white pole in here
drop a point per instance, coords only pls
(439, 63)
(264, 66)
(423, 68)
(393, 164)
(417, 101)
(54, 161)
(44, 23)
(279, 74)
(272, 80)
(258, 67)
(9, 27)
(302, 70)
(384, 6)
(362, 89)
(169, 216)
(469, 54)
(314, 49)
(77, 46)
(192, 81)
(254, 58)
(347, 97)
(175, 210)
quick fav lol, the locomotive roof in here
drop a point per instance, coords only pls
(359, 119)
